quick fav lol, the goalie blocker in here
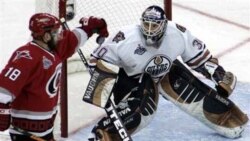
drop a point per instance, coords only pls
(101, 83)
(197, 99)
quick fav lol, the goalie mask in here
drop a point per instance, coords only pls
(153, 25)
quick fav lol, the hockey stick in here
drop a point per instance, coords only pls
(26, 133)
(110, 110)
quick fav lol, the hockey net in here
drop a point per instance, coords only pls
(117, 13)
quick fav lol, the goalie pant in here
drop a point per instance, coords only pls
(136, 102)
(197, 99)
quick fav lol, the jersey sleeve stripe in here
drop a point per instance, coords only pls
(200, 59)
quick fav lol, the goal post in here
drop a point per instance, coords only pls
(64, 81)
(168, 9)
(117, 13)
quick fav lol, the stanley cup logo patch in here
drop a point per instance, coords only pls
(46, 63)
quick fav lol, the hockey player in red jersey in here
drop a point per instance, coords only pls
(152, 48)
(29, 83)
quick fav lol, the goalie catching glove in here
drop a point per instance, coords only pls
(4, 116)
(225, 81)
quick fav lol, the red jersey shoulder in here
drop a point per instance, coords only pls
(23, 53)
(26, 55)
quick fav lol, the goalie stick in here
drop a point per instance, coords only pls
(110, 110)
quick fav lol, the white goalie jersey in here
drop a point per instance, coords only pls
(128, 50)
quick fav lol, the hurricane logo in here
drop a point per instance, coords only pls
(53, 83)
(22, 54)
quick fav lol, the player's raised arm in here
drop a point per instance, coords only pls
(29, 83)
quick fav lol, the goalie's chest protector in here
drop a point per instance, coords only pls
(136, 57)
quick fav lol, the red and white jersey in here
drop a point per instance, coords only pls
(31, 78)
(128, 50)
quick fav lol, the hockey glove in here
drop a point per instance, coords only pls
(143, 98)
(93, 25)
(225, 81)
(226, 86)
(149, 93)
(4, 116)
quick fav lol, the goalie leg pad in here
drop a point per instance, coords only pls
(136, 110)
(101, 135)
(192, 96)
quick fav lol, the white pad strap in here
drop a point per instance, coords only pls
(211, 67)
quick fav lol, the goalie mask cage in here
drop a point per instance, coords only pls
(117, 13)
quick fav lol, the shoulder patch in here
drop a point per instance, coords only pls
(22, 54)
(140, 50)
(181, 28)
(46, 63)
(119, 37)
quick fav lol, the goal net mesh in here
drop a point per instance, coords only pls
(117, 13)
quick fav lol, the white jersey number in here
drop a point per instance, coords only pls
(12, 73)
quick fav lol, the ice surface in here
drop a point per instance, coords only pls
(223, 25)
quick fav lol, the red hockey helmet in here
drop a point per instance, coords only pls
(42, 22)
